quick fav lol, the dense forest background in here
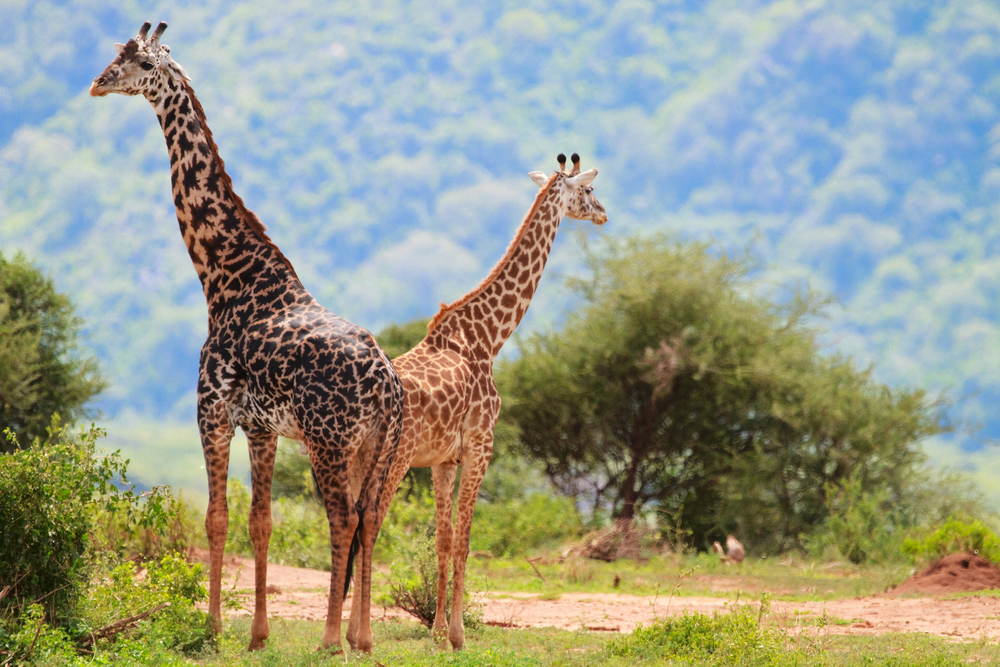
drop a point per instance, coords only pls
(855, 145)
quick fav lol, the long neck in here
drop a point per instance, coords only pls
(227, 243)
(489, 314)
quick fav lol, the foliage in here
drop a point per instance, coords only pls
(517, 526)
(292, 471)
(389, 151)
(734, 638)
(873, 525)
(35, 640)
(127, 592)
(413, 586)
(300, 534)
(171, 586)
(409, 522)
(51, 498)
(43, 369)
(968, 534)
(674, 386)
(861, 525)
(396, 339)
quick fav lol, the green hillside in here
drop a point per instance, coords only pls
(386, 146)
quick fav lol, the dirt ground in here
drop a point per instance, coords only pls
(301, 593)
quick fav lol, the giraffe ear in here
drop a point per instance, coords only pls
(119, 47)
(176, 70)
(583, 179)
(538, 177)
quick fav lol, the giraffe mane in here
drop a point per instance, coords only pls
(248, 216)
(481, 287)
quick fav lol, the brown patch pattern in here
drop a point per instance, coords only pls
(451, 403)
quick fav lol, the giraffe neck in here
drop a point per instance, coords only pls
(228, 244)
(489, 314)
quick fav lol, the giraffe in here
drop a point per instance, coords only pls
(451, 404)
(275, 362)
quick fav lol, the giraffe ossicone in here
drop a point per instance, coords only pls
(275, 361)
(451, 404)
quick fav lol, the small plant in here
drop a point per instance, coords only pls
(413, 588)
(738, 637)
(954, 536)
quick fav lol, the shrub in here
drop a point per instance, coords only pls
(300, 533)
(50, 498)
(413, 586)
(862, 525)
(735, 638)
(953, 536)
(514, 526)
(407, 526)
(170, 580)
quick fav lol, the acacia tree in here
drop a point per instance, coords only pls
(43, 369)
(673, 386)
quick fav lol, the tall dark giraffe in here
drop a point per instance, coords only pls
(451, 402)
(275, 362)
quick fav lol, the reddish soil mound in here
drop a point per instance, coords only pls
(952, 574)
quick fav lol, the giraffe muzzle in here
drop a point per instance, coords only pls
(97, 88)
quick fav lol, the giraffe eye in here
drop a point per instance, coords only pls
(147, 66)
(588, 190)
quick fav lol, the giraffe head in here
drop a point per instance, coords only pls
(142, 67)
(578, 194)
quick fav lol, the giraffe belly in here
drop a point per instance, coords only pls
(438, 451)
(276, 418)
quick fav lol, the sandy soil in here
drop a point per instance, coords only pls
(301, 593)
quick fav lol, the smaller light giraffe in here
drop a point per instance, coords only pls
(451, 405)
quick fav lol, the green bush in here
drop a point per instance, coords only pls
(514, 526)
(862, 525)
(408, 524)
(51, 496)
(171, 580)
(300, 533)
(34, 640)
(735, 638)
(952, 537)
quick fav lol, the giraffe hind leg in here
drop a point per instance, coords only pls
(262, 451)
(444, 486)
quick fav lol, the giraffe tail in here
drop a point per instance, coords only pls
(387, 443)
(353, 553)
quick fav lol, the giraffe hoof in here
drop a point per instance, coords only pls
(332, 649)
(256, 645)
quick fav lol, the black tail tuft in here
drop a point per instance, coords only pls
(352, 553)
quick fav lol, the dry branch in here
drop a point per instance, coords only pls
(120, 626)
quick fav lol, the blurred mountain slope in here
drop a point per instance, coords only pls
(385, 144)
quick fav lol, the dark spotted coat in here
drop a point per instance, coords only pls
(275, 361)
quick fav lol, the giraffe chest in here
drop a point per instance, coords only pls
(255, 377)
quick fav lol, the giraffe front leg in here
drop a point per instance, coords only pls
(444, 487)
(262, 451)
(216, 434)
(473, 471)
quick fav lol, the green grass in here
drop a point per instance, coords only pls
(701, 575)
(293, 644)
